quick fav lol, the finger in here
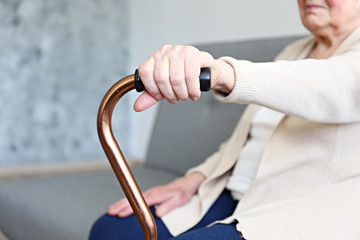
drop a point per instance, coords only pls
(153, 196)
(119, 203)
(177, 77)
(161, 77)
(170, 205)
(125, 212)
(144, 101)
(146, 74)
(192, 73)
(118, 206)
(157, 195)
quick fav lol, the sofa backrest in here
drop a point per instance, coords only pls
(186, 133)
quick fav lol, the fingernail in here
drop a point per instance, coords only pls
(194, 98)
(174, 101)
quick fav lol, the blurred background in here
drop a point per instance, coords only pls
(58, 58)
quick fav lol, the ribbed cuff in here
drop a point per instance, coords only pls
(200, 169)
(245, 84)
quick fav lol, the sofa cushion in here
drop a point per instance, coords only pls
(255, 50)
(187, 133)
(64, 207)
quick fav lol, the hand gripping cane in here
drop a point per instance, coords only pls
(115, 156)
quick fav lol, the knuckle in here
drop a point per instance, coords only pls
(165, 48)
(158, 54)
(191, 51)
(178, 48)
(176, 79)
(121, 203)
(192, 76)
(172, 99)
(145, 70)
(195, 94)
(184, 97)
(154, 91)
(156, 94)
(161, 77)
(181, 194)
(151, 191)
(193, 48)
(182, 198)
(207, 55)
(187, 196)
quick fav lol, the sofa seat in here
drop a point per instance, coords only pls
(64, 207)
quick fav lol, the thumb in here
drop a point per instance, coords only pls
(144, 101)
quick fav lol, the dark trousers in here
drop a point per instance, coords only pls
(111, 228)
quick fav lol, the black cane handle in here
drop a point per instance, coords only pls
(205, 80)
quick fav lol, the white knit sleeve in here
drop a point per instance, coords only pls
(318, 90)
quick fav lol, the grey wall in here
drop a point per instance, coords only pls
(57, 59)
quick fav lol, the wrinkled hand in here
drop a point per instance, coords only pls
(173, 73)
(168, 197)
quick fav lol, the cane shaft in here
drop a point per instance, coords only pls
(117, 159)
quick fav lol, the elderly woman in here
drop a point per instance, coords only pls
(298, 175)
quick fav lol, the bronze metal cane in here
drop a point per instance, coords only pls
(115, 156)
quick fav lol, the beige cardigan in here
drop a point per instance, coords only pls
(308, 182)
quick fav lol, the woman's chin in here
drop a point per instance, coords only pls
(314, 25)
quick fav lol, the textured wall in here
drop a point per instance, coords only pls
(57, 59)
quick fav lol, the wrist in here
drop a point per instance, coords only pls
(224, 77)
(197, 178)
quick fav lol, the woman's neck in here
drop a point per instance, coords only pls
(328, 41)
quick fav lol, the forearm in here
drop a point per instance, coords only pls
(318, 90)
(195, 179)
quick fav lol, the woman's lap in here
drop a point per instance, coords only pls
(215, 232)
(110, 227)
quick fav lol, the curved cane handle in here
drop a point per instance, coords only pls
(117, 159)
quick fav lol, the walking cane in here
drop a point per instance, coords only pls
(115, 156)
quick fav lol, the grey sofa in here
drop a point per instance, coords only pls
(65, 207)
